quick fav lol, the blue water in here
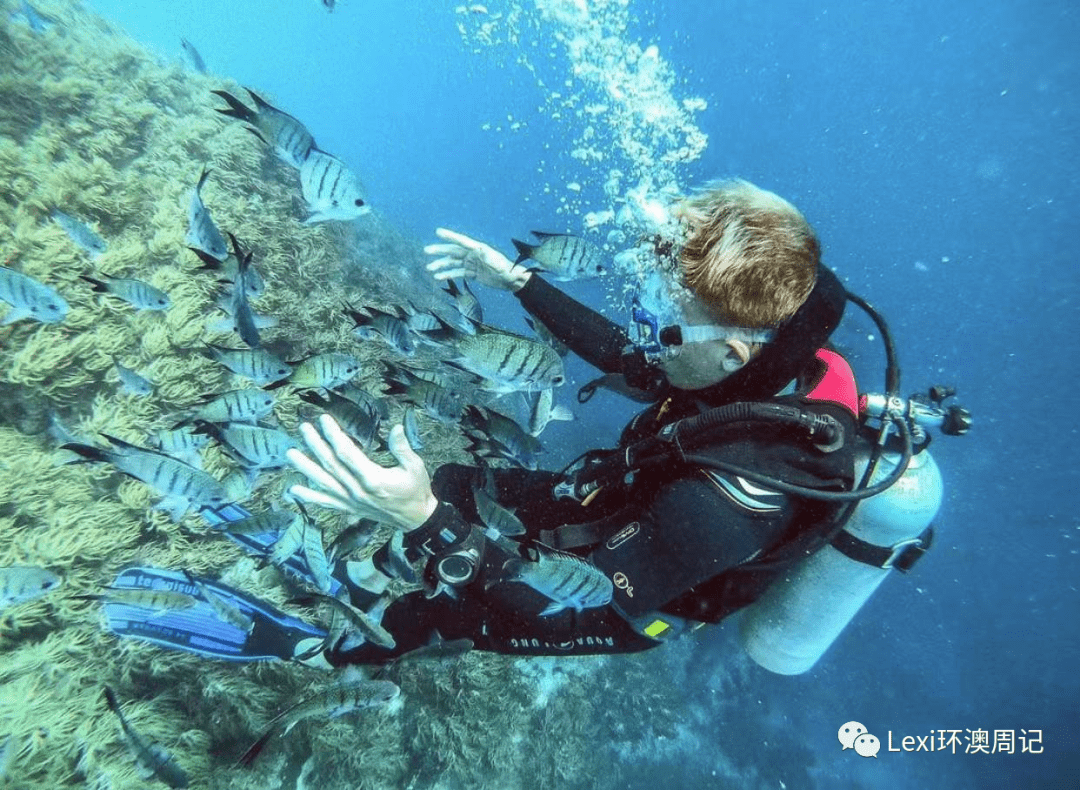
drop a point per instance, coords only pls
(934, 146)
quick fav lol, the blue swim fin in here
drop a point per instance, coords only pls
(261, 545)
(199, 628)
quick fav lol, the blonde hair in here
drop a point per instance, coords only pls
(749, 254)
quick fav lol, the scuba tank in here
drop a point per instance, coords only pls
(802, 613)
(791, 625)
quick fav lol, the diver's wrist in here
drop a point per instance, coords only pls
(519, 276)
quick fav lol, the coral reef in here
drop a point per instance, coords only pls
(94, 125)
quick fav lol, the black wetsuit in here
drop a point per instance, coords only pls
(672, 542)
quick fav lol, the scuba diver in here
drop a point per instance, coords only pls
(745, 469)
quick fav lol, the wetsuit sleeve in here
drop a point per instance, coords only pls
(692, 530)
(596, 339)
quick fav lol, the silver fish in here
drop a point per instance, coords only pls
(152, 759)
(202, 233)
(331, 190)
(253, 446)
(19, 583)
(412, 429)
(543, 410)
(223, 608)
(80, 233)
(360, 422)
(140, 295)
(465, 301)
(291, 141)
(325, 371)
(132, 381)
(545, 334)
(399, 563)
(192, 56)
(329, 703)
(180, 443)
(392, 329)
(269, 522)
(290, 541)
(315, 555)
(568, 580)
(495, 516)
(563, 255)
(441, 403)
(509, 363)
(234, 406)
(504, 432)
(229, 268)
(182, 485)
(353, 538)
(29, 299)
(256, 364)
(157, 600)
(364, 399)
(239, 308)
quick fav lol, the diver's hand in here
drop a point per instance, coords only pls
(465, 257)
(346, 479)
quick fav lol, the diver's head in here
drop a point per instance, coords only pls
(746, 261)
(748, 255)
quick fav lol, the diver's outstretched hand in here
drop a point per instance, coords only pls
(465, 257)
(343, 478)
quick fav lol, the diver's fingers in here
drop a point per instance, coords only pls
(398, 445)
(459, 238)
(328, 458)
(312, 497)
(450, 274)
(452, 250)
(350, 455)
(315, 473)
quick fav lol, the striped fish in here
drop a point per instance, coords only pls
(260, 366)
(80, 233)
(331, 190)
(202, 233)
(233, 406)
(180, 443)
(153, 760)
(315, 554)
(331, 702)
(251, 445)
(325, 371)
(509, 363)
(20, 583)
(568, 580)
(465, 301)
(291, 141)
(495, 516)
(412, 428)
(140, 295)
(543, 410)
(224, 609)
(181, 485)
(268, 522)
(132, 381)
(229, 268)
(390, 328)
(360, 422)
(29, 299)
(563, 255)
(441, 403)
(157, 600)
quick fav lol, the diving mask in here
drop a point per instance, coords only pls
(658, 342)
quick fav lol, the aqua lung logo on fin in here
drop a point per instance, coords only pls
(623, 535)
